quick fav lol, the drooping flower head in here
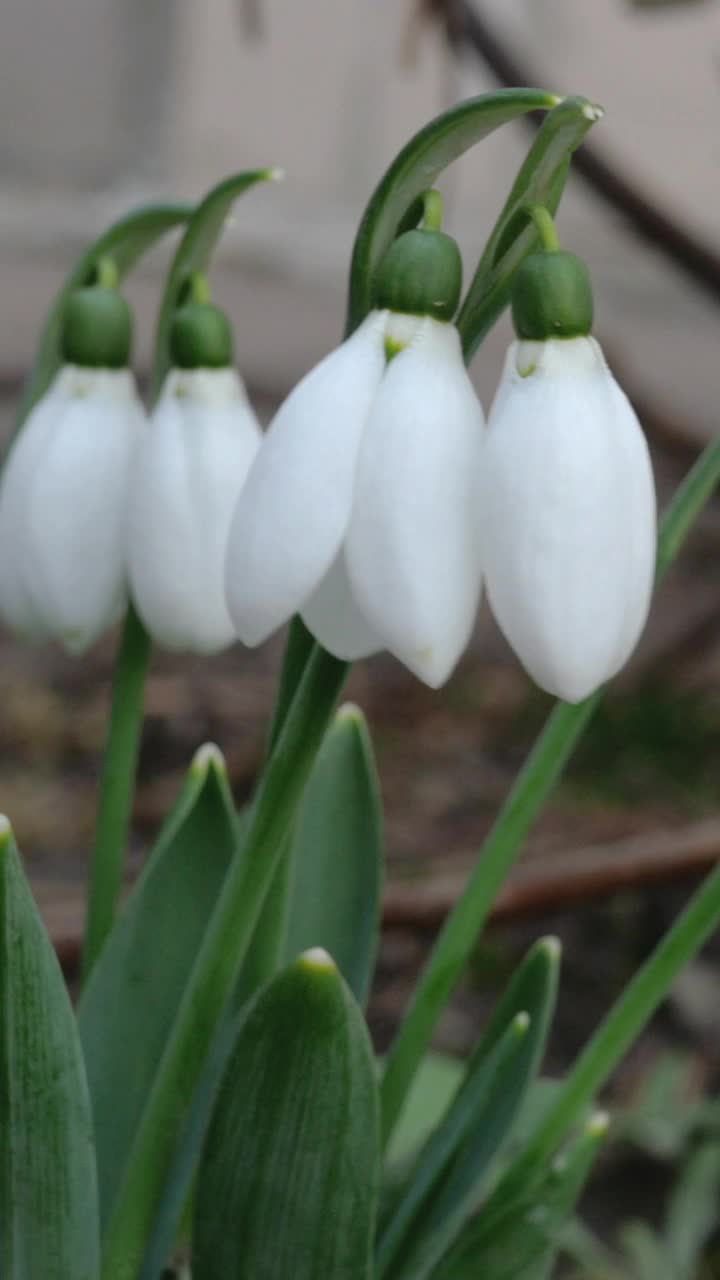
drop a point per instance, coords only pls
(188, 474)
(568, 501)
(63, 490)
(359, 510)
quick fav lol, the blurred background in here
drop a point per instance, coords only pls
(108, 103)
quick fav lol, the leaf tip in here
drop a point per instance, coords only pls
(551, 946)
(274, 174)
(593, 111)
(317, 958)
(208, 756)
(6, 832)
(598, 1124)
(350, 713)
(521, 1022)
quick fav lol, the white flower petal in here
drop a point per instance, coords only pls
(294, 509)
(21, 467)
(333, 617)
(567, 516)
(187, 478)
(412, 547)
(73, 547)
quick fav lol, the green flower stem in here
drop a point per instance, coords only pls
(530, 792)
(607, 1047)
(545, 227)
(106, 273)
(218, 963)
(117, 786)
(266, 950)
(432, 219)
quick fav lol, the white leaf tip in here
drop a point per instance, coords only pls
(318, 958)
(598, 1124)
(5, 829)
(207, 756)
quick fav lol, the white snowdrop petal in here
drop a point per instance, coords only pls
(333, 617)
(559, 516)
(74, 560)
(294, 508)
(188, 475)
(412, 547)
(19, 471)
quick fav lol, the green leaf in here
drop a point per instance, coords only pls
(49, 1224)
(415, 169)
(193, 254)
(337, 855)
(129, 1005)
(540, 181)
(287, 1186)
(442, 1189)
(431, 1092)
(519, 1239)
(125, 241)
(692, 1216)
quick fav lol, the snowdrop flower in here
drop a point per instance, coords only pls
(568, 501)
(189, 471)
(359, 510)
(63, 490)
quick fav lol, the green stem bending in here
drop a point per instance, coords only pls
(218, 963)
(545, 227)
(432, 219)
(532, 788)
(117, 786)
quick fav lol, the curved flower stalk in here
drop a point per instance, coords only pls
(189, 471)
(64, 488)
(359, 511)
(568, 500)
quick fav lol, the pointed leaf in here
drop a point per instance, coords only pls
(540, 181)
(125, 241)
(49, 1224)
(129, 1004)
(194, 251)
(337, 855)
(416, 168)
(442, 1188)
(520, 1238)
(288, 1181)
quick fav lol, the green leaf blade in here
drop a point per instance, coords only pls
(129, 1004)
(288, 1183)
(443, 1187)
(416, 168)
(49, 1223)
(540, 180)
(203, 230)
(337, 856)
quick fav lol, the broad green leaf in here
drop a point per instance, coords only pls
(416, 168)
(437, 1080)
(204, 228)
(337, 855)
(443, 1187)
(519, 1240)
(540, 181)
(288, 1182)
(125, 241)
(49, 1226)
(128, 1007)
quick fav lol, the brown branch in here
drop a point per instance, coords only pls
(560, 881)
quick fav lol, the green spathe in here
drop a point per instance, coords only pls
(552, 297)
(421, 274)
(97, 329)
